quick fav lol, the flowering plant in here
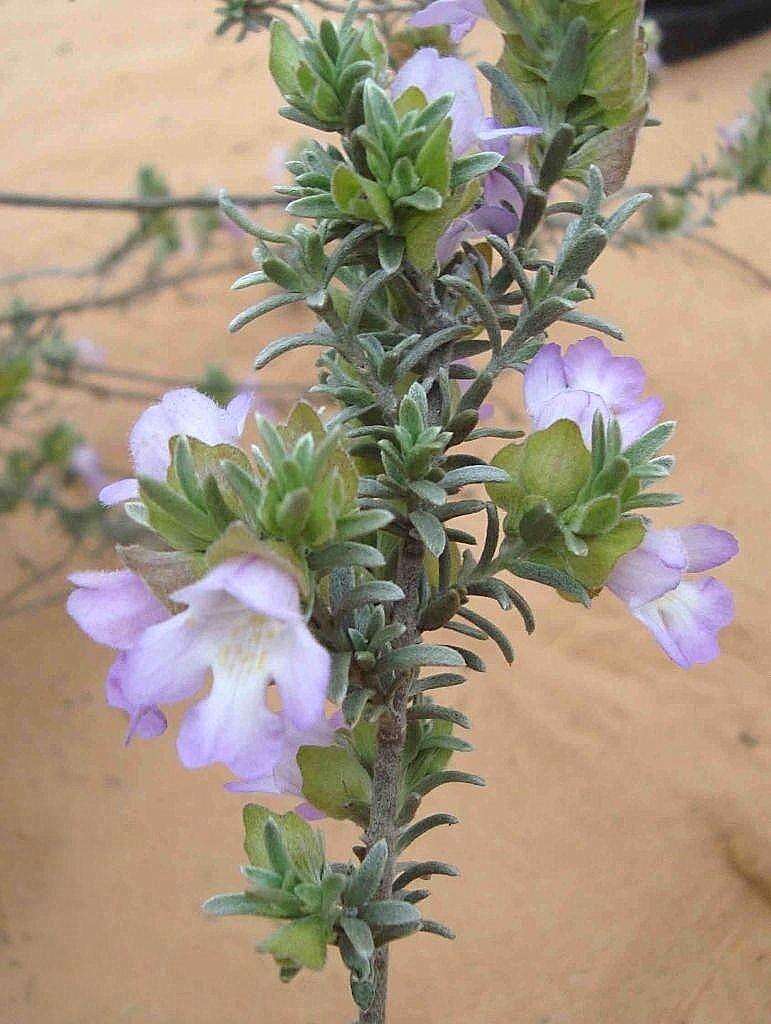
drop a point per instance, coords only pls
(321, 560)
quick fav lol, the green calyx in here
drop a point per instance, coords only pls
(571, 509)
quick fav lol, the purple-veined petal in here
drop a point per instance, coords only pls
(578, 406)
(121, 490)
(435, 76)
(308, 812)
(707, 546)
(492, 135)
(285, 777)
(234, 725)
(686, 621)
(183, 411)
(459, 15)
(145, 722)
(113, 608)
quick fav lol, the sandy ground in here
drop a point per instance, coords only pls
(618, 868)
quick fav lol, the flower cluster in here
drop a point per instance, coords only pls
(684, 616)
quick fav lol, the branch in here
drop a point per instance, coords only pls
(136, 291)
(128, 205)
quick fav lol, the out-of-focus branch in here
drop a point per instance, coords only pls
(150, 286)
(130, 205)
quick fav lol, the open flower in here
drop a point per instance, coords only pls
(182, 411)
(684, 615)
(587, 379)
(243, 622)
(460, 15)
(115, 608)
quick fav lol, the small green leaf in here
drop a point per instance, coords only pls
(359, 935)
(415, 655)
(302, 942)
(334, 781)
(364, 883)
(430, 531)
(303, 846)
(387, 913)
(468, 167)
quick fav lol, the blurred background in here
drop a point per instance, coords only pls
(618, 866)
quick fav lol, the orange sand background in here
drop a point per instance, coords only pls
(618, 868)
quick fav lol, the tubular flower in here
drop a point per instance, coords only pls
(684, 615)
(243, 622)
(115, 608)
(460, 15)
(586, 379)
(183, 411)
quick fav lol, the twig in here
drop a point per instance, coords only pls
(759, 275)
(149, 205)
(148, 287)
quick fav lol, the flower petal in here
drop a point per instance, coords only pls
(234, 725)
(544, 378)
(591, 366)
(121, 490)
(301, 667)
(460, 15)
(638, 419)
(146, 722)
(707, 546)
(113, 608)
(650, 570)
(254, 582)
(183, 411)
(578, 406)
(169, 661)
(686, 621)
(435, 76)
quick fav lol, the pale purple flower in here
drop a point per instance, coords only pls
(86, 464)
(586, 379)
(732, 135)
(243, 622)
(684, 615)
(115, 608)
(460, 15)
(183, 411)
(87, 352)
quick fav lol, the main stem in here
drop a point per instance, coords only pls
(391, 736)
